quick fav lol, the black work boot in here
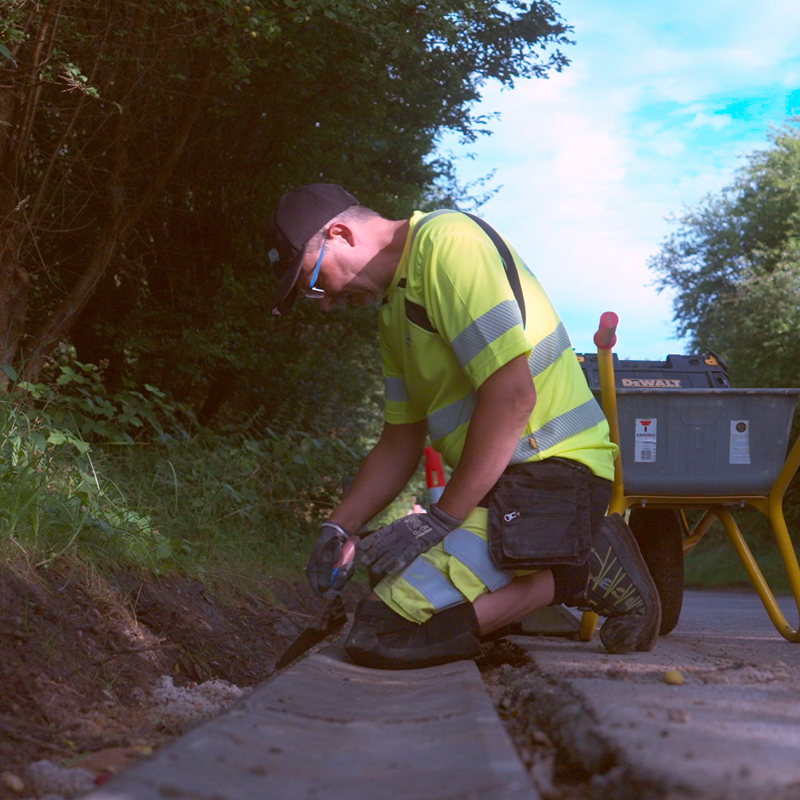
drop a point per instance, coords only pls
(620, 587)
(382, 639)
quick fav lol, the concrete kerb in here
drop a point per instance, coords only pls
(329, 728)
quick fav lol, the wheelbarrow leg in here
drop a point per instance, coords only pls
(757, 577)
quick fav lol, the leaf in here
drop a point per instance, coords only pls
(7, 53)
(7, 368)
(39, 442)
(164, 549)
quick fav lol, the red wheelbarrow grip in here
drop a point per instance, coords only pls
(606, 336)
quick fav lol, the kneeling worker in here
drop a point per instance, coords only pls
(476, 357)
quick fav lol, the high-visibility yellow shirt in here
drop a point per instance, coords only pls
(449, 320)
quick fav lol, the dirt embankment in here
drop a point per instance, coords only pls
(83, 660)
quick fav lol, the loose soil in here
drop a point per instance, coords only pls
(81, 653)
(556, 734)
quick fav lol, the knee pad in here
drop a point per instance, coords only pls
(382, 639)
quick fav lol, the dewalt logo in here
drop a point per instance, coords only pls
(653, 383)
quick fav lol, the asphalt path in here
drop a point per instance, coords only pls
(732, 729)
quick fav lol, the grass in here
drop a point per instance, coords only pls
(201, 506)
(715, 563)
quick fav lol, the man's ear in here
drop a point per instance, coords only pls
(341, 230)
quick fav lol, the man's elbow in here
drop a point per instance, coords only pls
(511, 390)
(523, 400)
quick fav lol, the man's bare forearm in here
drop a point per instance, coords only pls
(383, 474)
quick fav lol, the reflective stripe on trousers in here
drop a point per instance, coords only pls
(473, 552)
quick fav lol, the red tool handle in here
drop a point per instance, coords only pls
(434, 469)
(606, 336)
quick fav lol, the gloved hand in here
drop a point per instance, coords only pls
(325, 554)
(392, 548)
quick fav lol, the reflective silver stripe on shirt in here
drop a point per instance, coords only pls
(451, 417)
(482, 331)
(432, 585)
(396, 390)
(473, 553)
(549, 350)
(558, 429)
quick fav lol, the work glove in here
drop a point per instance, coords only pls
(392, 548)
(324, 580)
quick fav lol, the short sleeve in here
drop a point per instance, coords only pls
(471, 303)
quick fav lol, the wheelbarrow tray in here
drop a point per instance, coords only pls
(702, 442)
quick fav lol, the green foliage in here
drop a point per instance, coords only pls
(142, 147)
(715, 563)
(53, 502)
(77, 409)
(734, 264)
(238, 502)
(199, 504)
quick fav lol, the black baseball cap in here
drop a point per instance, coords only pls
(297, 217)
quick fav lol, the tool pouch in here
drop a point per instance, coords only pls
(539, 515)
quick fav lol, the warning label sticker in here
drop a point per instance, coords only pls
(644, 447)
(739, 452)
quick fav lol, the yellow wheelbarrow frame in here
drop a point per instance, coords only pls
(717, 507)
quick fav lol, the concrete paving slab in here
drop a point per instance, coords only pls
(731, 730)
(550, 621)
(327, 728)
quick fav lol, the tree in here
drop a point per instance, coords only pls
(97, 102)
(132, 205)
(734, 264)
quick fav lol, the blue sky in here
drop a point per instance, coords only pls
(660, 104)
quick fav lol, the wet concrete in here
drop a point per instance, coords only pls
(327, 728)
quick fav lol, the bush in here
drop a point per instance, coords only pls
(124, 479)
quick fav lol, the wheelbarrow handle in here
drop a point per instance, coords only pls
(606, 336)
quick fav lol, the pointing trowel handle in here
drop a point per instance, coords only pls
(348, 554)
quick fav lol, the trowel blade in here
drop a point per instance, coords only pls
(329, 621)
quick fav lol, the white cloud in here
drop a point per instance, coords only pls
(715, 121)
(593, 160)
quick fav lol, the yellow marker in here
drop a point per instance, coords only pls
(673, 677)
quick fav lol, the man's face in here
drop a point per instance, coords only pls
(337, 269)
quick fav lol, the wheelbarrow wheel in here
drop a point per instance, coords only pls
(658, 533)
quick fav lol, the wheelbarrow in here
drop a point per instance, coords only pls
(714, 450)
